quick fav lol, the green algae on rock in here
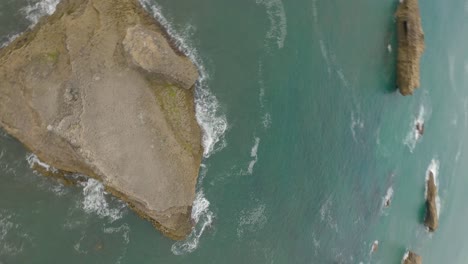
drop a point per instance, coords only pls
(86, 91)
(410, 46)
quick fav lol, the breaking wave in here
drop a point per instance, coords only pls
(434, 168)
(278, 23)
(38, 9)
(203, 218)
(95, 201)
(213, 124)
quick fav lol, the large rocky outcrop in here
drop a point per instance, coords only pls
(98, 89)
(412, 258)
(431, 221)
(410, 46)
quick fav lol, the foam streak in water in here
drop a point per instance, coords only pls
(252, 220)
(278, 23)
(33, 161)
(253, 155)
(213, 124)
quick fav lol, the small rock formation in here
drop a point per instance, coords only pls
(412, 258)
(420, 128)
(375, 246)
(98, 89)
(431, 221)
(410, 46)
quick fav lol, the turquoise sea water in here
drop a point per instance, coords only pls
(316, 137)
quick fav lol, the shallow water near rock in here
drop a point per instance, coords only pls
(316, 136)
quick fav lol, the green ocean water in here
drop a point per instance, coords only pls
(316, 137)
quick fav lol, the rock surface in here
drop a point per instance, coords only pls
(98, 89)
(410, 46)
(412, 258)
(431, 221)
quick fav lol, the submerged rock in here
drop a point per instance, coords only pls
(412, 258)
(410, 45)
(98, 89)
(431, 221)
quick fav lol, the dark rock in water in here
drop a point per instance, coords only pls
(375, 246)
(431, 221)
(98, 89)
(410, 46)
(420, 128)
(412, 258)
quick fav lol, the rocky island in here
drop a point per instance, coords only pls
(431, 221)
(98, 89)
(410, 46)
(412, 258)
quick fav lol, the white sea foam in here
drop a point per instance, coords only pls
(315, 11)
(266, 120)
(356, 122)
(389, 48)
(203, 218)
(324, 51)
(38, 9)
(253, 155)
(95, 201)
(10, 232)
(387, 199)
(33, 161)
(10, 38)
(252, 220)
(278, 23)
(213, 124)
(434, 168)
(124, 229)
(326, 214)
(405, 257)
(413, 135)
